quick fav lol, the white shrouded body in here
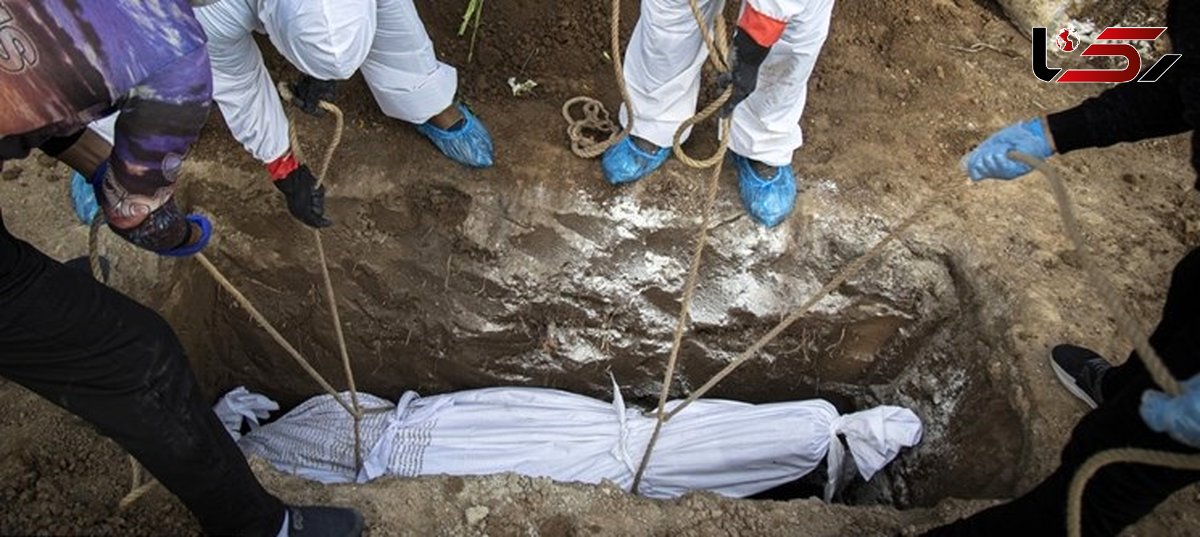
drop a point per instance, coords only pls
(734, 449)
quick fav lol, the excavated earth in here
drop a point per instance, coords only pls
(537, 273)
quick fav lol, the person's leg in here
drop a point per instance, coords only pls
(1119, 494)
(766, 126)
(662, 67)
(324, 39)
(402, 70)
(410, 84)
(1182, 307)
(118, 365)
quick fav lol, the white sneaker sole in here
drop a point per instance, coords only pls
(1069, 382)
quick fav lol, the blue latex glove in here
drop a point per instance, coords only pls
(83, 198)
(199, 221)
(1179, 417)
(990, 160)
(467, 143)
(768, 200)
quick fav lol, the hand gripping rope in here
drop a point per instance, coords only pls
(140, 488)
(596, 118)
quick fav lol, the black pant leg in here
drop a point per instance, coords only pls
(1182, 306)
(118, 365)
(1119, 495)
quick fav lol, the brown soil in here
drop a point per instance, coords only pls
(955, 323)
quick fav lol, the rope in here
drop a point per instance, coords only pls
(1129, 329)
(689, 291)
(270, 329)
(596, 118)
(718, 53)
(1166, 459)
(841, 277)
(330, 297)
(137, 488)
(1126, 325)
(95, 248)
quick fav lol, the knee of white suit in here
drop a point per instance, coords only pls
(325, 39)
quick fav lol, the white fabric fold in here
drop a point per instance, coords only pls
(241, 406)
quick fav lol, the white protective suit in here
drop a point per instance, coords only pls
(667, 52)
(328, 40)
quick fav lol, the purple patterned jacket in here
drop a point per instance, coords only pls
(64, 63)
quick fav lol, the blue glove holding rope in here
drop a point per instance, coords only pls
(990, 160)
(1178, 417)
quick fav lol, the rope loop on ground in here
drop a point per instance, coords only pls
(596, 117)
(595, 120)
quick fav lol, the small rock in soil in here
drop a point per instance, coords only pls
(12, 173)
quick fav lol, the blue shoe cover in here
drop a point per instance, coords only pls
(625, 162)
(768, 201)
(83, 198)
(467, 143)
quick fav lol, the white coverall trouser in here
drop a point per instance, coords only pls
(326, 39)
(667, 52)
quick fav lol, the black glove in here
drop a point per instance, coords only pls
(748, 56)
(308, 93)
(304, 200)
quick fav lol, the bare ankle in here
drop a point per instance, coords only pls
(447, 118)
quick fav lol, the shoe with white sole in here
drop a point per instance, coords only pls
(1081, 371)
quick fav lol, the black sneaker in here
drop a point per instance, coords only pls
(1080, 370)
(320, 521)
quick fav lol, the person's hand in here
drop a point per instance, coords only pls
(305, 200)
(199, 233)
(83, 198)
(1178, 417)
(747, 57)
(308, 93)
(990, 160)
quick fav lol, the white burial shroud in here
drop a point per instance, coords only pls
(732, 448)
